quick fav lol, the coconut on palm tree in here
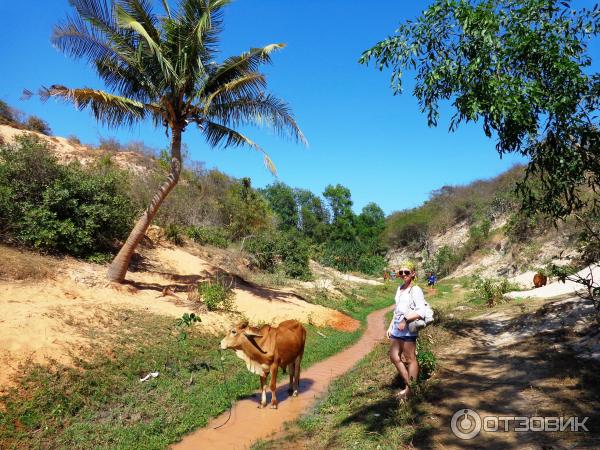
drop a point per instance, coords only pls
(163, 67)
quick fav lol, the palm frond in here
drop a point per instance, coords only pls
(129, 22)
(126, 81)
(235, 66)
(204, 18)
(221, 135)
(141, 11)
(107, 108)
(78, 40)
(247, 85)
(165, 4)
(262, 110)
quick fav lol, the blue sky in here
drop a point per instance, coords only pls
(360, 135)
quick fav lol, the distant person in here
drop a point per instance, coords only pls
(386, 275)
(410, 306)
(431, 280)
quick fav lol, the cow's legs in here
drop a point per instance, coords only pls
(297, 374)
(273, 385)
(263, 390)
(291, 368)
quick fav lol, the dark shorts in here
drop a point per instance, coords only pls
(404, 338)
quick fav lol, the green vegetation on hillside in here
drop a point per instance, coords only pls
(339, 237)
(86, 211)
(60, 208)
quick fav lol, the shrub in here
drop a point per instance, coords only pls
(371, 264)
(110, 145)
(246, 210)
(521, 227)
(209, 236)
(6, 113)
(491, 290)
(34, 123)
(73, 140)
(288, 250)
(445, 260)
(217, 294)
(60, 208)
(426, 359)
(295, 255)
(173, 234)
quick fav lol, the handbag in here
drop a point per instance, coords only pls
(419, 324)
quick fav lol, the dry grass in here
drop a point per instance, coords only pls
(16, 264)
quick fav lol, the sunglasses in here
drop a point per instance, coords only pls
(404, 272)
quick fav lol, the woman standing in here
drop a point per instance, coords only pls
(410, 307)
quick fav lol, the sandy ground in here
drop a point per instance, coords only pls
(41, 318)
(502, 364)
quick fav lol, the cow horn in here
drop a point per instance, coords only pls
(251, 333)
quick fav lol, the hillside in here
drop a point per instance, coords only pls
(477, 229)
(56, 308)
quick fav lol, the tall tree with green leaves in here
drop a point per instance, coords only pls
(162, 66)
(314, 217)
(342, 217)
(520, 68)
(282, 200)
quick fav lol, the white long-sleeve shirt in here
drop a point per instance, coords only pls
(407, 300)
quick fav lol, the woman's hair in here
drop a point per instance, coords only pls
(409, 265)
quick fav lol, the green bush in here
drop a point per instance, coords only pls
(353, 255)
(209, 236)
(371, 264)
(491, 290)
(60, 208)
(426, 359)
(288, 250)
(173, 234)
(445, 260)
(217, 294)
(521, 226)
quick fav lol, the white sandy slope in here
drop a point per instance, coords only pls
(559, 289)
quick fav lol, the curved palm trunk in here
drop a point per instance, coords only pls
(118, 268)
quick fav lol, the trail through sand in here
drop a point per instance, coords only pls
(497, 368)
(248, 423)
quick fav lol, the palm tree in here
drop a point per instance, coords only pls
(164, 68)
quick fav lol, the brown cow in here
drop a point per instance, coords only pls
(539, 280)
(266, 349)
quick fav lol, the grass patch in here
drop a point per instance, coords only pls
(359, 412)
(100, 402)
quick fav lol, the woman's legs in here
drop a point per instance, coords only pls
(396, 349)
(409, 351)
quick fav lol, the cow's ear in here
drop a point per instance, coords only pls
(243, 325)
(251, 333)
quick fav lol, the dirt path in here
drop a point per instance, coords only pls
(497, 367)
(248, 423)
